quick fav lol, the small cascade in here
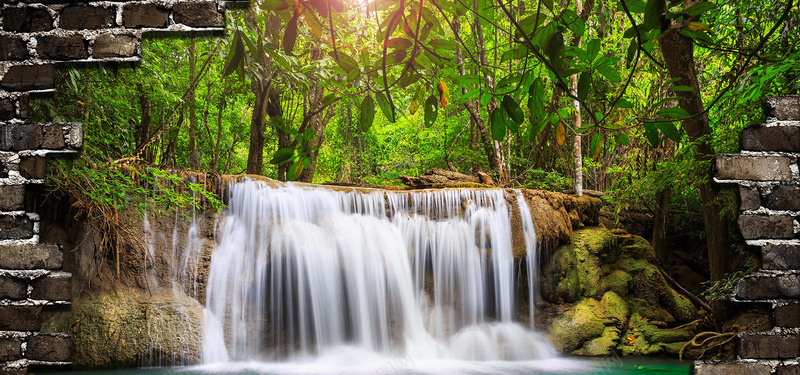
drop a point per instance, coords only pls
(531, 254)
(308, 273)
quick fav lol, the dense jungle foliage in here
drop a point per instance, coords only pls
(631, 97)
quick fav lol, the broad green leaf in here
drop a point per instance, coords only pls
(631, 55)
(283, 155)
(498, 125)
(344, 61)
(592, 49)
(273, 5)
(623, 139)
(514, 54)
(439, 44)
(236, 56)
(681, 88)
(431, 110)
(290, 35)
(700, 8)
(669, 130)
(609, 72)
(328, 100)
(595, 145)
(623, 103)
(399, 43)
(367, 113)
(536, 100)
(535, 128)
(395, 57)
(635, 6)
(652, 13)
(386, 108)
(548, 4)
(584, 84)
(529, 24)
(651, 133)
(513, 110)
(674, 112)
(555, 50)
(574, 23)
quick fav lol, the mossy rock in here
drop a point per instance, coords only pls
(657, 335)
(637, 248)
(602, 345)
(589, 245)
(615, 307)
(596, 241)
(562, 281)
(128, 329)
(649, 311)
(581, 324)
(617, 281)
(679, 306)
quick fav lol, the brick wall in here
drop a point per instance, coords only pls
(35, 35)
(769, 185)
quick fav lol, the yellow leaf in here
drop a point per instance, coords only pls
(561, 134)
(412, 108)
(697, 26)
(444, 92)
(597, 151)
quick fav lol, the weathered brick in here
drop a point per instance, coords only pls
(14, 370)
(50, 348)
(15, 227)
(750, 198)
(110, 45)
(198, 14)
(29, 77)
(13, 48)
(18, 137)
(788, 370)
(784, 197)
(780, 257)
(13, 288)
(144, 15)
(62, 47)
(22, 104)
(79, 17)
(783, 107)
(788, 315)
(7, 109)
(758, 168)
(768, 346)
(771, 138)
(10, 349)
(53, 287)
(733, 368)
(12, 197)
(32, 167)
(53, 137)
(766, 227)
(760, 287)
(26, 19)
(20, 318)
(31, 256)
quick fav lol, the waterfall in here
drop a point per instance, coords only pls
(305, 272)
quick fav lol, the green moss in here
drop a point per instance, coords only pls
(602, 345)
(563, 282)
(657, 335)
(577, 326)
(587, 244)
(679, 306)
(637, 247)
(595, 240)
(615, 307)
(646, 284)
(617, 281)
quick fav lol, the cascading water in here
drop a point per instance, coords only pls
(304, 273)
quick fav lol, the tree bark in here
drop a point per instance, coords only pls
(318, 122)
(194, 163)
(143, 133)
(220, 109)
(659, 242)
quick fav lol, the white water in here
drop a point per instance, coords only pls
(331, 278)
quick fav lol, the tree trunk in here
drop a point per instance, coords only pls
(318, 123)
(660, 224)
(220, 109)
(678, 53)
(255, 152)
(194, 163)
(143, 133)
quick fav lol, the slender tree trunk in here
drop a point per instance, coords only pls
(678, 53)
(255, 153)
(194, 163)
(221, 109)
(143, 133)
(318, 123)
(660, 224)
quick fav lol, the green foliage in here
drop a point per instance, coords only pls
(723, 289)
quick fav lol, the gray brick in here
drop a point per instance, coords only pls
(53, 288)
(110, 46)
(56, 47)
(26, 19)
(144, 15)
(732, 368)
(29, 77)
(20, 318)
(198, 14)
(771, 138)
(15, 227)
(13, 48)
(757, 168)
(12, 197)
(780, 257)
(49, 348)
(761, 287)
(750, 198)
(768, 346)
(783, 107)
(766, 227)
(31, 256)
(10, 349)
(13, 288)
(78, 17)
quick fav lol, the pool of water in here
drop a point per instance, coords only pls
(404, 366)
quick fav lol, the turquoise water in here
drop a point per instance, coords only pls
(602, 366)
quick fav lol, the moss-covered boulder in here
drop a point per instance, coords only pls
(129, 328)
(581, 324)
(602, 345)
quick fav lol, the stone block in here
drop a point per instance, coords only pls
(53, 137)
(10, 349)
(732, 368)
(783, 107)
(783, 197)
(20, 137)
(49, 348)
(750, 198)
(768, 346)
(12, 197)
(757, 168)
(32, 167)
(15, 227)
(788, 315)
(22, 104)
(788, 370)
(56, 47)
(13, 288)
(29, 77)
(144, 15)
(53, 287)
(20, 318)
(7, 109)
(771, 138)
(198, 14)
(110, 46)
(77, 17)
(31, 256)
(780, 257)
(762, 287)
(766, 226)
(13, 48)
(26, 19)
